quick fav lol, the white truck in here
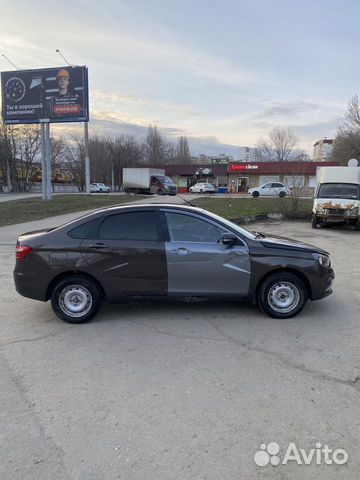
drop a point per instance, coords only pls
(337, 196)
(147, 181)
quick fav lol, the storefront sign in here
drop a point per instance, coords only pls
(243, 166)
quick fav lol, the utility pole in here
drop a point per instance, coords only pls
(86, 139)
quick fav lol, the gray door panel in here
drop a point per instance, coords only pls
(207, 268)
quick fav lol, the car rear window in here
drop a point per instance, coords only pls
(130, 226)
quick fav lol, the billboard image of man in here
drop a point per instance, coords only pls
(63, 80)
(65, 102)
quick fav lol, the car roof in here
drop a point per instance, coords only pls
(128, 207)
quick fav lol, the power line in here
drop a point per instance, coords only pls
(8, 59)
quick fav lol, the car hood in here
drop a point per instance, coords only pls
(275, 241)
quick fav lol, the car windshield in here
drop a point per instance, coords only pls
(339, 190)
(165, 179)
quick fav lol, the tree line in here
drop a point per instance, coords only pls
(20, 153)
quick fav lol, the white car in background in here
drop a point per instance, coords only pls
(203, 188)
(271, 189)
(99, 188)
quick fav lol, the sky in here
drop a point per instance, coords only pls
(221, 72)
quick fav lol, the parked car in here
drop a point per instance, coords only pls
(99, 188)
(274, 189)
(203, 188)
(166, 251)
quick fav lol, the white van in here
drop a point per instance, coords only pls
(337, 196)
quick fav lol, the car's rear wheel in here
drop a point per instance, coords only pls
(282, 295)
(282, 194)
(76, 299)
(255, 194)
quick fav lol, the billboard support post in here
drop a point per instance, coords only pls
(43, 163)
(87, 159)
(48, 162)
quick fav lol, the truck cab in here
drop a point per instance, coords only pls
(337, 197)
(162, 185)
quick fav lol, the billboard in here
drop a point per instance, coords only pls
(46, 95)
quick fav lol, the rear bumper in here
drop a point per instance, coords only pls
(29, 287)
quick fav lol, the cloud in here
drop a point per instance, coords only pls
(286, 109)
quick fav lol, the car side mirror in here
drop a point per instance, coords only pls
(228, 239)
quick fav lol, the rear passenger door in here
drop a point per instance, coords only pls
(127, 254)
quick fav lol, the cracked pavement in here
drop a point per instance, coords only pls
(180, 390)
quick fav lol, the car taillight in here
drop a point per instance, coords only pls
(22, 251)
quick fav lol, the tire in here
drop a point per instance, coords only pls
(357, 225)
(255, 194)
(160, 192)
(75, 288)
(282, 194)
(282, 295)
(314, 222)
(201, 191)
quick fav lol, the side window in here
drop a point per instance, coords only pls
(186, 228)
(130, 226)
(85, 230)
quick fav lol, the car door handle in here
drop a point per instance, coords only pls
(181, 251)
(98, 246)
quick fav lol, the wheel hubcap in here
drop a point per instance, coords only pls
(283, 297)
(75, 300)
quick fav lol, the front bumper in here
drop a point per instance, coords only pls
(323, 286)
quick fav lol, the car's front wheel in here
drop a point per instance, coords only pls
(282, 295)
(255, 194)
(76, 299)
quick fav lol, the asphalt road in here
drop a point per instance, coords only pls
(180, 391)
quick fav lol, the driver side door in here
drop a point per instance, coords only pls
(198, 263)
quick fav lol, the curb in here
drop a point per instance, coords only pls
(270, 216)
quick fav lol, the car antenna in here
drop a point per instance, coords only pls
(184, 199)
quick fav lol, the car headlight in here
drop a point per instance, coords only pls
(320, 209)
(354, 211)
(324, 260)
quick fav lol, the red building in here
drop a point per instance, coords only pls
(238, 177)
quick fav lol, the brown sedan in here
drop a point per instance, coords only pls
(157, 251)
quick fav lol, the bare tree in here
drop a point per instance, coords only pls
(74, 155)
(124, 151)
(280, 145)
(182, 152)
(347, 141)
(7, 156)
(26, 143)
(155, 146)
